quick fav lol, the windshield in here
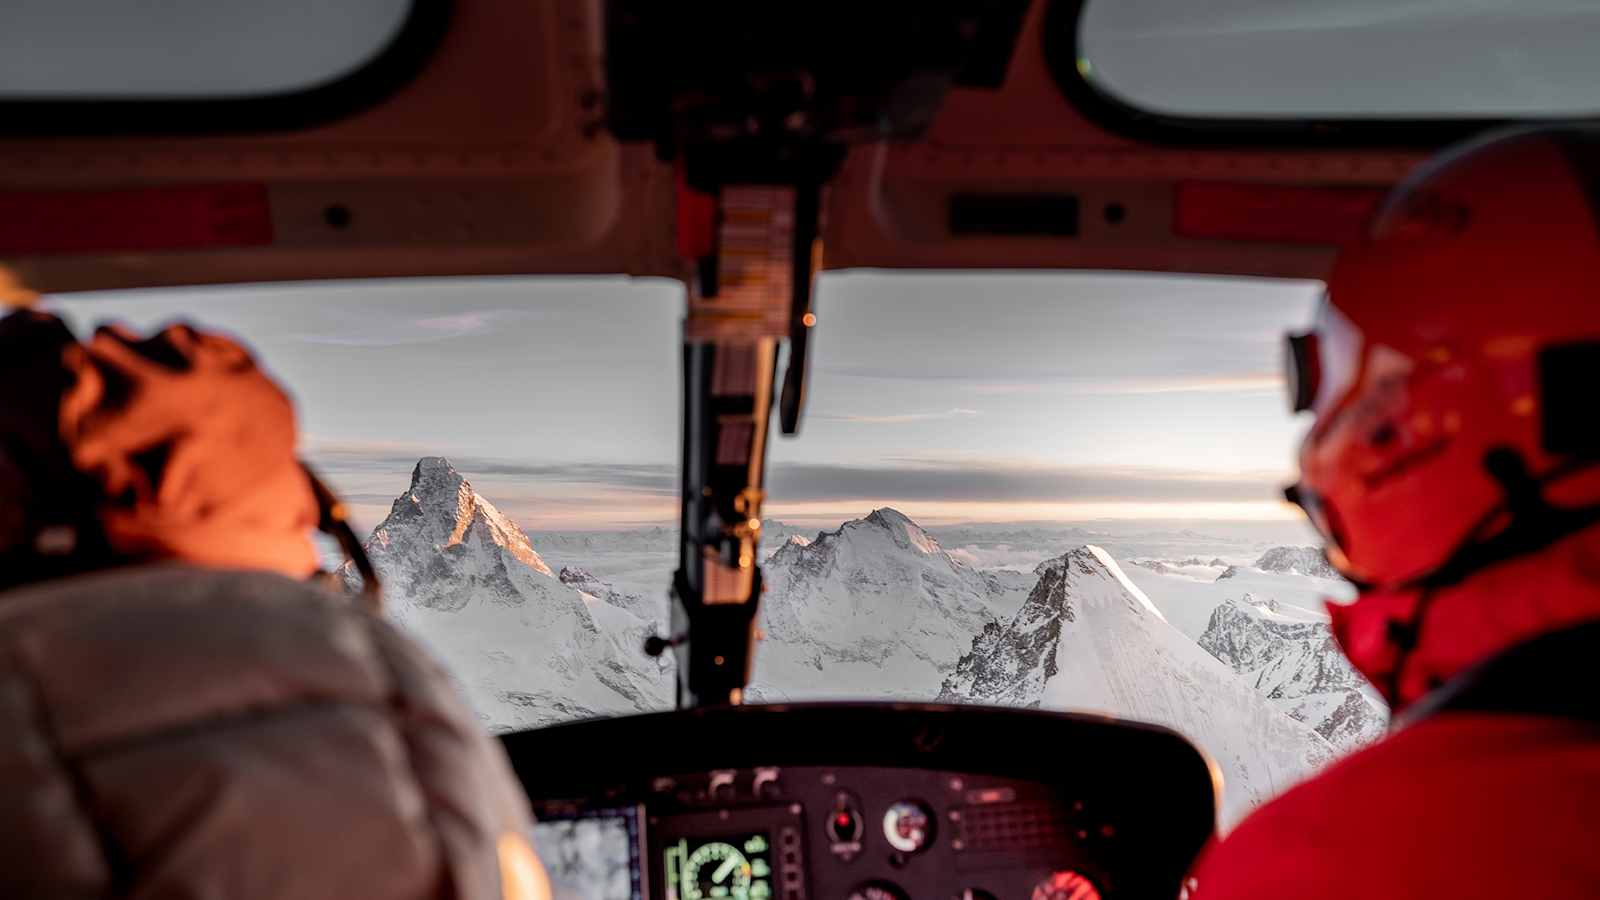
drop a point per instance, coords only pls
(1053, 490)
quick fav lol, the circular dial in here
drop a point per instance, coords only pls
(908, 826)
(716, 870)
(877, 890)
(1065, 885)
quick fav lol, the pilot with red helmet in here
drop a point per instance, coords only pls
(1454, 470)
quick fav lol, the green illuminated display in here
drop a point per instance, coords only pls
(719, 869)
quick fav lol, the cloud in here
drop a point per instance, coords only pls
(376, 331)
(960, 481)
(895, 480)
(315, 445)
(1257, 383)
(385, 457)
(899, 419)
(1077, 385)
(646, 478)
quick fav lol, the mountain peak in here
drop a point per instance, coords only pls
(1081, 557)
(1095, 563)
(435, 474)
(888, 515)
(901, 529)
(441, 509)
(1297, 560)
(432, 465)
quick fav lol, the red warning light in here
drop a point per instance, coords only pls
(845, 826)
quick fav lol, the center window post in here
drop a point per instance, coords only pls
(740, 307)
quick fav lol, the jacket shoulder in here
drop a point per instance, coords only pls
(1457, 805)
(167, 711)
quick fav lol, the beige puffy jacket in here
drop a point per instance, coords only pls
(173, 732)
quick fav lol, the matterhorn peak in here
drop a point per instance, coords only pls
(432, 467)
(527, 647)
(442, 509)
(435, 481)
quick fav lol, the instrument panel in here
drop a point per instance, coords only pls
(909, 815)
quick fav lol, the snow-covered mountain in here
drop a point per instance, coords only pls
(1088, 639)
(1193, 567)
(649, 609)
(1187, 595)
(874, 609)
(1309, 561)
(1298, 667)
(527, 648)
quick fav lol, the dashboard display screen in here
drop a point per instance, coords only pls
(738, 867)
(593, 857)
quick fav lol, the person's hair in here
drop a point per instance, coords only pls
(127, 447)
(47, 507)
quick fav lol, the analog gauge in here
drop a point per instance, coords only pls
(716, 870)
(877, 890)
(1065, 885)
(908, 826)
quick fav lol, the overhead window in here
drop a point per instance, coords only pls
(187, 49)
(1369, 61)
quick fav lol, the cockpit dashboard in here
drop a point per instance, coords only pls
(864, 802)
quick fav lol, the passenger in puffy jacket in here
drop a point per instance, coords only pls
(183, 713)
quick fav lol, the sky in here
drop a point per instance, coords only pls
(954, 397)
(187, 48)
(1362, 58)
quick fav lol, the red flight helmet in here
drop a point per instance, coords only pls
(1454, 367)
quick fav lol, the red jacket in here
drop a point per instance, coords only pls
(1458, 806)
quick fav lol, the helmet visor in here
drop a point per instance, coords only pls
(1321, 365)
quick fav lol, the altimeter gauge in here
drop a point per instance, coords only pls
(715, 871)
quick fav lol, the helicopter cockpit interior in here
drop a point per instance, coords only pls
(741, 150)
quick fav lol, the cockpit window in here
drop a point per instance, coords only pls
(1045, 489)
(1339, 59)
